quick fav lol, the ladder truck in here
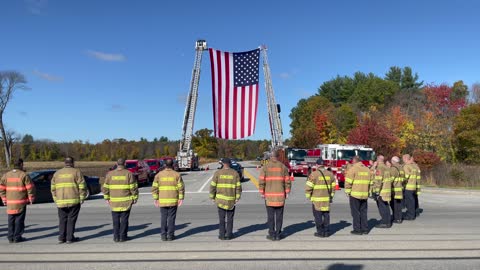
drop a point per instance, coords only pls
(273, 111)
(187, 159)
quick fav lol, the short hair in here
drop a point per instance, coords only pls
(275, 154)
(169, 162)
(395, 159)
(18, 163)
(121, 162)
(380, 158)
(69, 160)
(355, 159)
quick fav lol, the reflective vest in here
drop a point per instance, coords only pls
(68, 187)
(320, 188)
(16, 190)
(398, 176)
(121, 189)
(382, 183)
(357, 181)
(168, 188)
(225, 188)
(274, 183)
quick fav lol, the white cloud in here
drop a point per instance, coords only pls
(109, 57)
(36, 7)
(48, 77)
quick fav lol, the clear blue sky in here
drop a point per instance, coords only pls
(121, 69)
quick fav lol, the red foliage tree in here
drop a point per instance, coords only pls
(376, 135)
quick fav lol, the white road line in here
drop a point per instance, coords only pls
(204, 184)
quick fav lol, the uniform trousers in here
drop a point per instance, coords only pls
(16, 224)
(168, 216)
(359, 210)
(396, 205)
(275, 220)
(67, 217)
(322, 220)
(384, 210)
(228, 214)
(120, 224)
(410, 203)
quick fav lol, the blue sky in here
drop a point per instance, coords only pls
(121, 69)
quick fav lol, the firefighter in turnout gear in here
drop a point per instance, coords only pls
(68, 191)
(412, 175)
(320, 188)
(274, 186)
(419, 187)
(120, 191)
(225, 191)
(398, 175)
(16, 191)
(168, 193)
(382, 192)
(357, 186)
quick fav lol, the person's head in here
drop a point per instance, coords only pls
(380, 159)
(18, 164)
(355, 159)
(274, 155)
(169, 163)
(406, 158)
(121, 162)
(226, 162)
(412, 160)
(69, 161)
(395, 160)
(388, 164)
(320, 163)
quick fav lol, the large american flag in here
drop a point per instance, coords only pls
(235, 93)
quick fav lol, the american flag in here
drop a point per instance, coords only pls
(235, 92)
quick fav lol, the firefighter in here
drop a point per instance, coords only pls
(68, 191)
(382, 192)
(411, 187)
(398, 175)
(274, 186)
(320, 188)
(16, 191)
(120, 191)
(168, 193)
(225, 191)
(419, 187)
(357, 186)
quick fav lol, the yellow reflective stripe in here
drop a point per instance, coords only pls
(106, 197)
(81, 186)
(179, 185)
(308, 195)
(386, 190)
(119, 209)
(310, 184)
(213, 184)
(155, 196)
(348, 190)
(119, 177)
(226, 198)
(167, 179)
(378, 177)
(320, 199)
(167, 188)
(154, 184)
(223, 206)
(226, 186)
(122, 199)
(359, 193)
(238, 184)
(117, 187)
(180, 196)
(349, 180)
(67, 201)
(65, 176)
(325, 208)
(411, 186)
(326, 178)
(168, 200)
(398, 189)
(211, 195)
(226, 176)
(363, 173)
(320, 187)
(65, 185)
(237, 196)
(362, 182)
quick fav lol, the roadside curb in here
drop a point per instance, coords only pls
(451, 191)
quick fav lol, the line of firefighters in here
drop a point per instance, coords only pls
(390, 184)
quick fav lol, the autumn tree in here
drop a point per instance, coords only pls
(10, 82)
(467, 134)
(204, 143)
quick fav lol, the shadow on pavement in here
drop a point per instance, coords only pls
(251, 228)
(201, 229)
(6, 229)
(336, 227)
(371, 223)
(156, 231)
(110, 231)
(341, 266)
(295, 228)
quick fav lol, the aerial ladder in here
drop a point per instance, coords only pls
(187, 159)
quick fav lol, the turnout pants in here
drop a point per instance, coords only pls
(359, 210)
(410, 203)
(67, 217)
(168, 216)
(275, 220)
(16, 225)
(120, 224)
(322, 220)
(384, 210)
(417, 206)
(222, 214)
(396, 206)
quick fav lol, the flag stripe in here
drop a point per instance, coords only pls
(214, 96)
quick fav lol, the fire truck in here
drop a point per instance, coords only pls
(296, 160)
(336, 157)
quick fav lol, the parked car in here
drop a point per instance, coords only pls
(155, 165)
(42, 181)
(139, 169)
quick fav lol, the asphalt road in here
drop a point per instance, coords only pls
(446, 236)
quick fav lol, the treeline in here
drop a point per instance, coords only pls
(109, 150)
(394, 114)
